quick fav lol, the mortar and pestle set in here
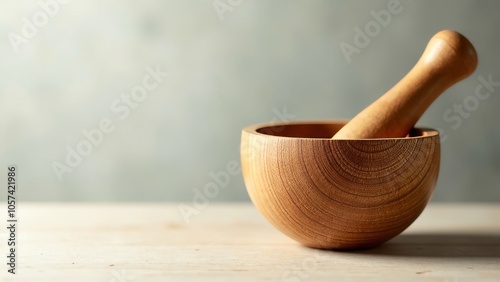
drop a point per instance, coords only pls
(351, 185)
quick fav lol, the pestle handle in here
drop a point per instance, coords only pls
(448, 58)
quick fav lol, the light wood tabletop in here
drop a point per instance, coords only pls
(232, 242)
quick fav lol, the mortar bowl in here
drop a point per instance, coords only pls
(338, 194)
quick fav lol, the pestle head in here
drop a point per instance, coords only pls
(448, 58)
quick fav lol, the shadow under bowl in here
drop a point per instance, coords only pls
(338, 194)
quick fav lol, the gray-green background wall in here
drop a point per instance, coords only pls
(65, 66)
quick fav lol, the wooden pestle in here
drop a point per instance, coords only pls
(448, 58)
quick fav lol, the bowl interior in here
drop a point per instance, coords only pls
(320, 129)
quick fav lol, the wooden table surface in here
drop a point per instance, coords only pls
(232, 242)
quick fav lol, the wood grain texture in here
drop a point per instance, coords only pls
(135, 242)
(448, 58)
(341, 194)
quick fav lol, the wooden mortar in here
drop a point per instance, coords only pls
(341, 194)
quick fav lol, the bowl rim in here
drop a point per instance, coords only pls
(253, 129)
